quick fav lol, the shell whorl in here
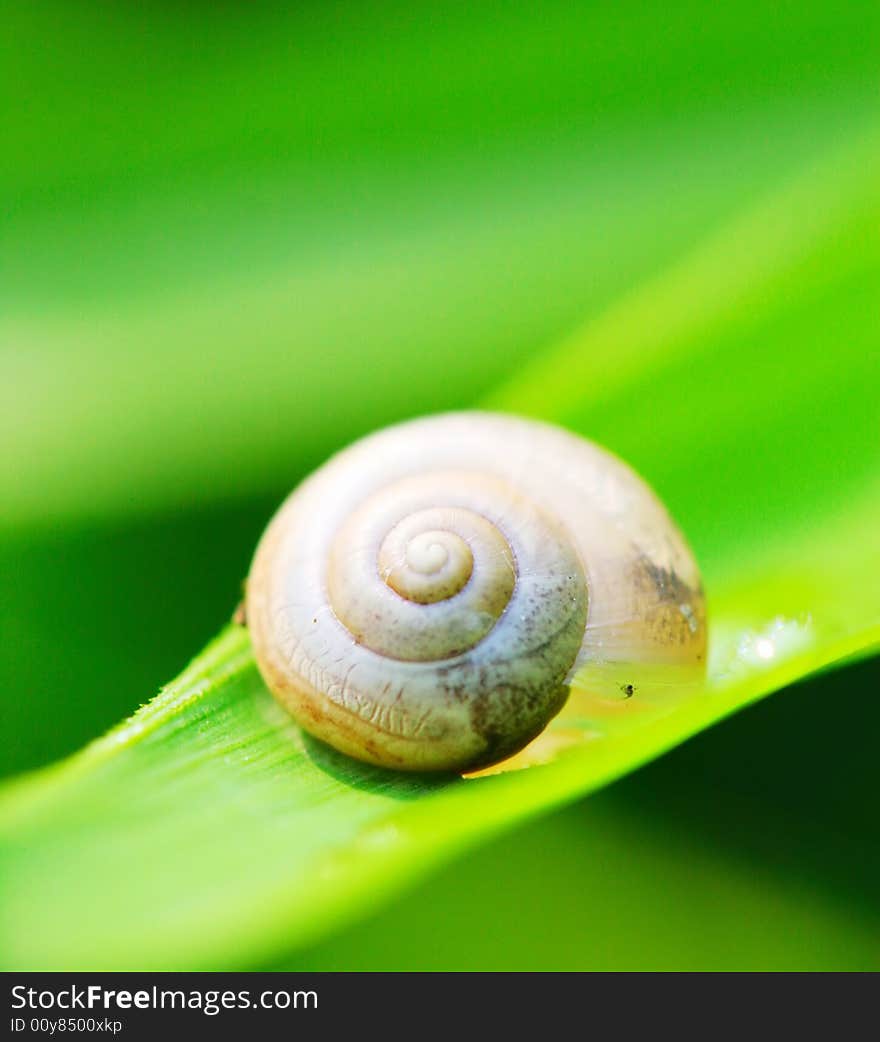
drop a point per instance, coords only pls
(423, 599)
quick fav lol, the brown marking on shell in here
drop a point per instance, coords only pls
(674, 612)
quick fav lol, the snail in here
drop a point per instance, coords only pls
(425, 598)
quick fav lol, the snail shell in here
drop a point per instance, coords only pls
(423, 600)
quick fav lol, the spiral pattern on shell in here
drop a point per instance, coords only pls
(423, 600)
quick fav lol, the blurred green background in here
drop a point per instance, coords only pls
(236, 236)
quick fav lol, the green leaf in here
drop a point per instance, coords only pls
(752, 846)
(208, 831)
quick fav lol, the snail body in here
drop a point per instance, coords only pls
(425, 598)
